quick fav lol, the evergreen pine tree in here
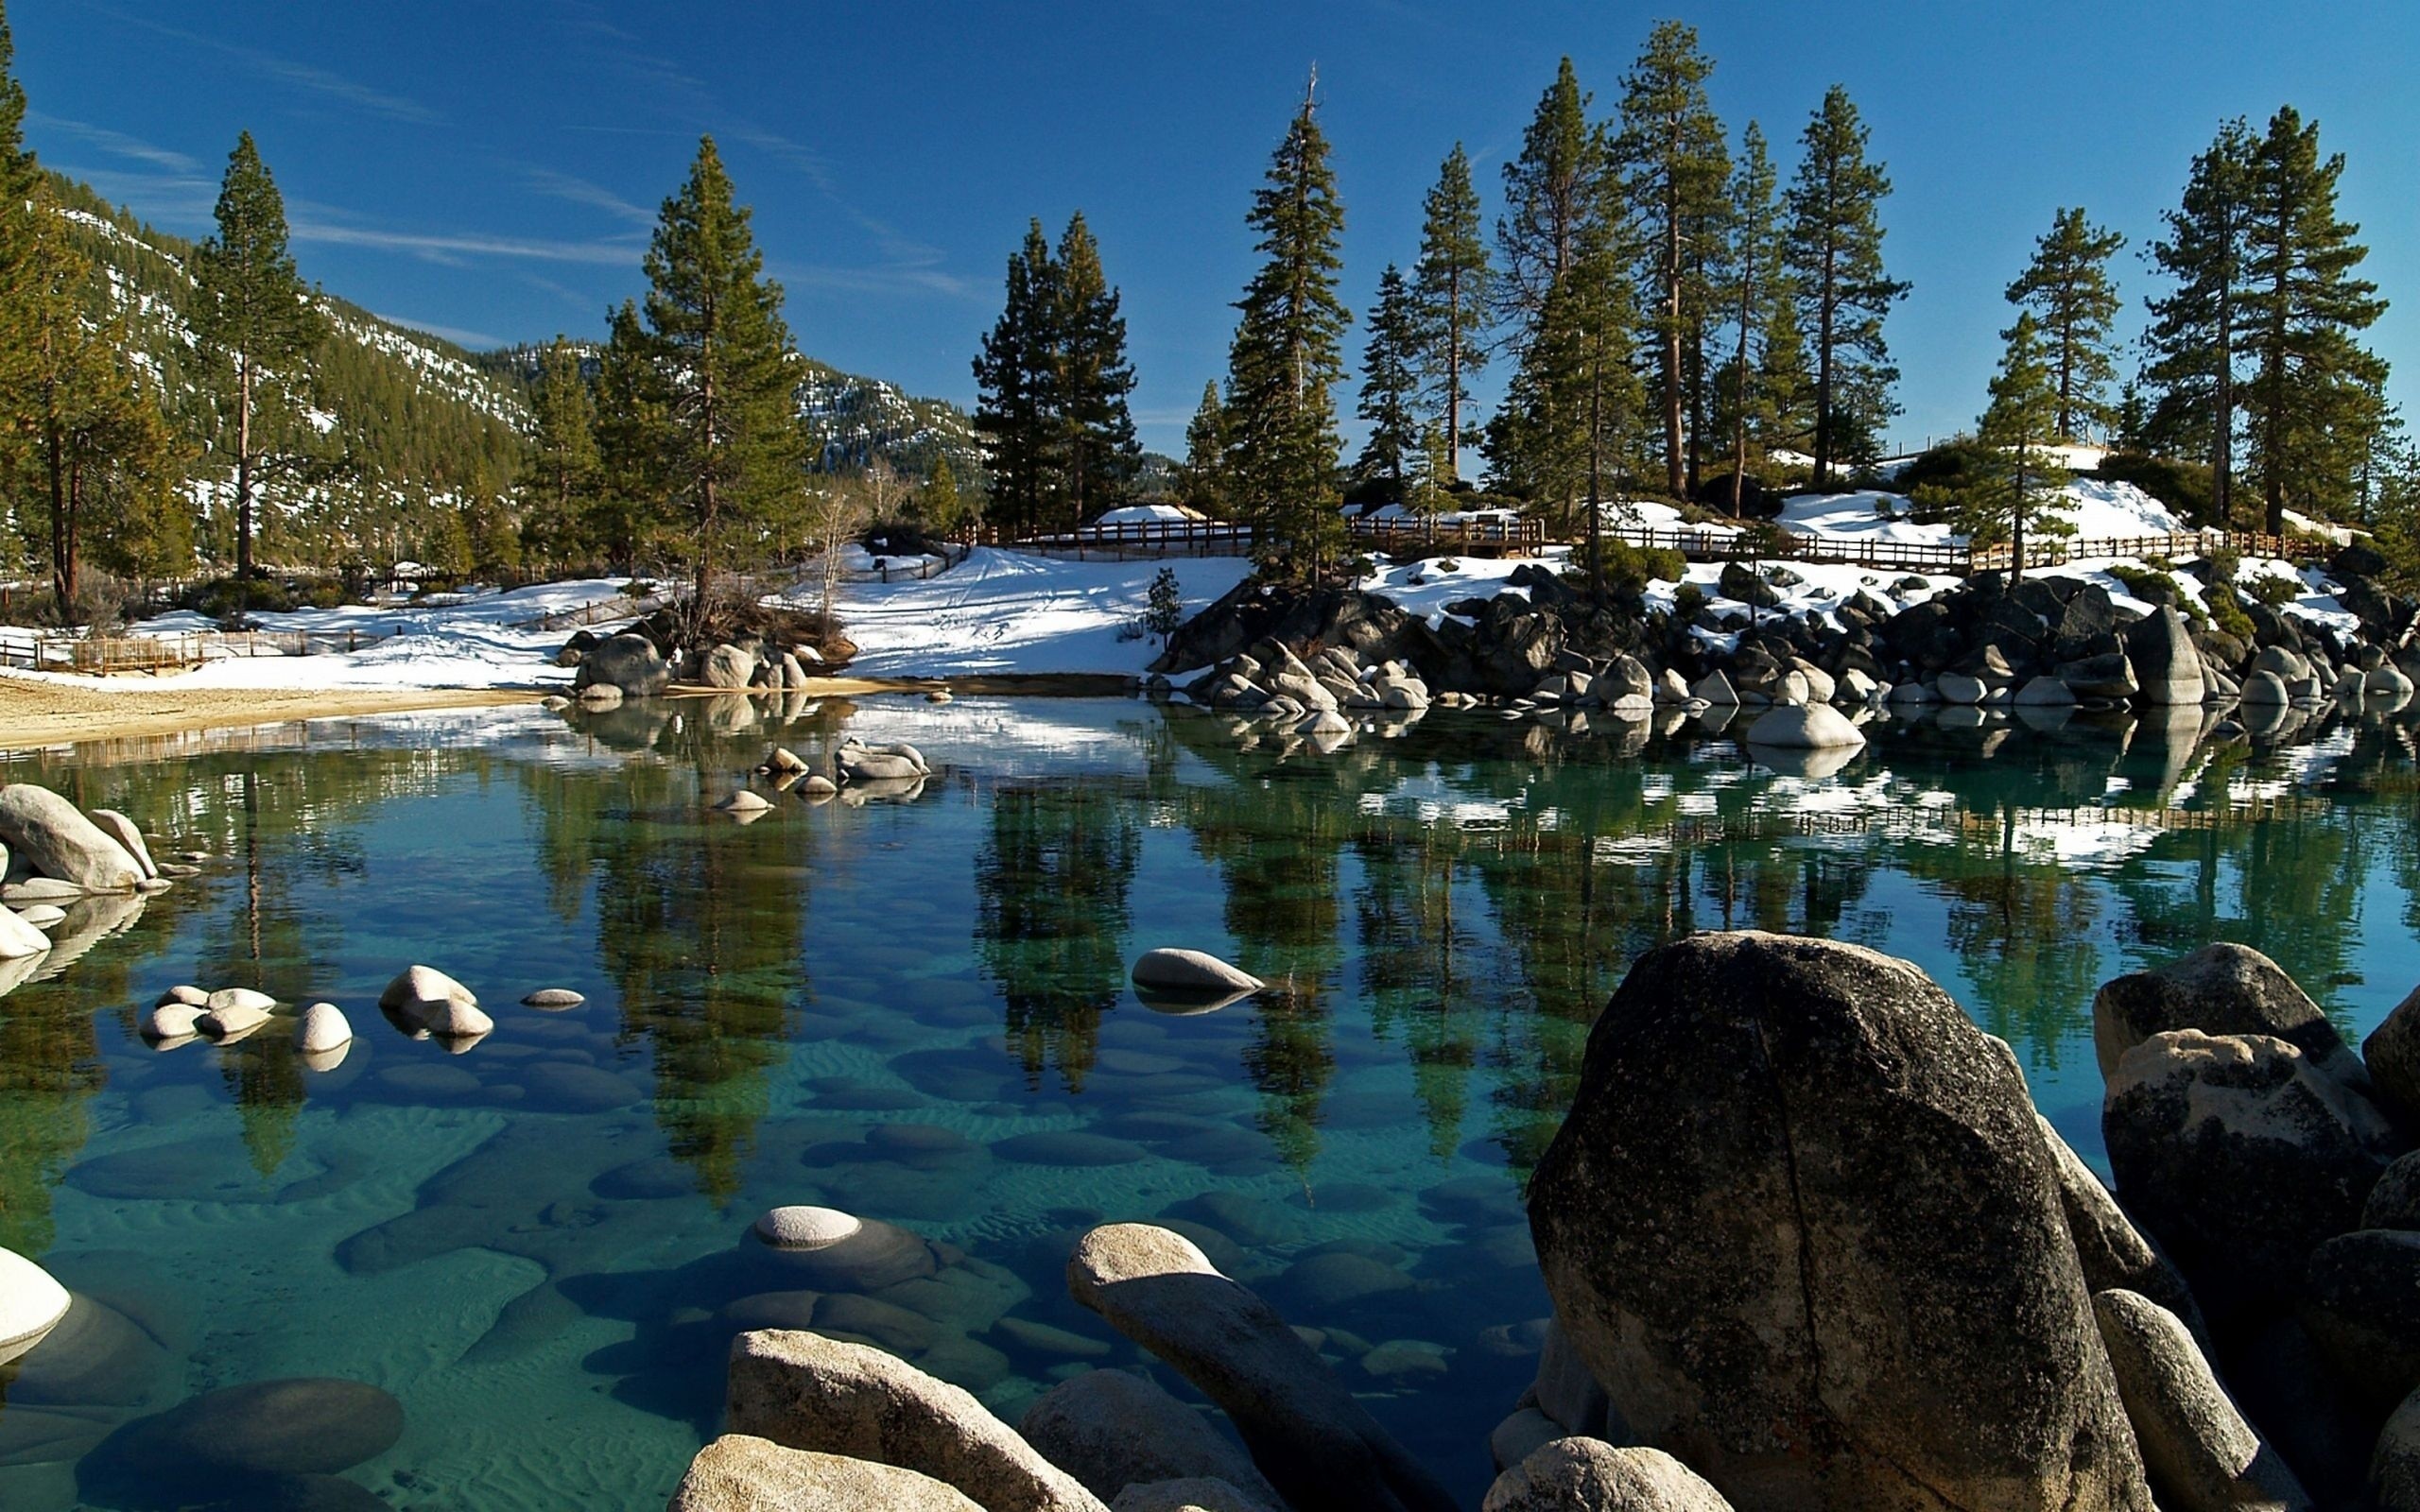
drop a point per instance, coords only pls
(1015, 379)
(1675, 171)
(2067, 288)
(2313, 400)
(255, 318)
(1096, 456)
(2196, 327)
(734, 457)
(1389, 385)
(2020, 481)
(1450, 285)
(1568, 427)
(1287, 355)
(102, 452)
(564, 465)
(1763, 388)
(1554, 192)
(944, 508)
(626, 513)
(1835, 255)
(1203, 481)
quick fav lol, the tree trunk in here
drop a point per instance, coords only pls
(244, 479)
(1597, 480)
(62, 541)
(2273, 446)
(1675, 481)
(1454, 377)
(1740, 389)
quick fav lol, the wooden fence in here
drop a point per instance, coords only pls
(1150, 538)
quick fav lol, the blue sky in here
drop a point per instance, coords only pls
(489, 171)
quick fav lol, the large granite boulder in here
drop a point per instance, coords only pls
(53, 837)
(2114, 1253)
(1812, 727)
(729, 667)
(1802, 1224)
(631, 664)
(1113, 1429)
(2360, 1304)
(2240, 1154)
(2168, 669)
(1589, 1475)
(2221, 989)
(2201, 1456)
(31, 1304)
(739, 1473)
(804, 1391)
(2392, 1051)
(1315, 1445)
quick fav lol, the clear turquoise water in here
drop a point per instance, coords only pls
(539, 1245)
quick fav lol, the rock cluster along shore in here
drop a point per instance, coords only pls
(637, 663)
(2042, 642)
(1809, 1246)
(68, 877)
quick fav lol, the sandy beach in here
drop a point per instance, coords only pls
(49, 712)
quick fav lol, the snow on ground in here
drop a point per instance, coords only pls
(1426, 585)
(1004, 612)
(1868, 515)
(472, 641)
(2342, 535)
(856, 559)
(2101, 509)
(1148, 514)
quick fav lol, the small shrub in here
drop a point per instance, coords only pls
(2227, 613)
(1165, 608)
(2274, 589)
(2183, 487)
(1688, 602)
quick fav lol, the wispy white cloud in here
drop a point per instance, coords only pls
(876, 279)
(301, 76)
(580, 191)
(578, 299)
(108, 141)
(452, 248)
(473, 340)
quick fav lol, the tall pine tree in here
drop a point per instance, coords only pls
(564, 464)
(1450, 288)
(734, 457)
(1204, 482)
(1554, 193)
(2313, 398)
(626, 515)
(2192, 344)
(1835, 255)
(2021, 480)
(1390, 387)
(255, 318)
(1764, 386)
(1016, 379)
(1675, 171)
(1096, 457)
(2067, 289)
(1286, 357)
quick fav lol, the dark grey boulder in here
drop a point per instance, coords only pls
(2168, 669)
(2291, 1394)
(1307, 1434)
(2241, 1156)
(1112, 1429)
(2395, 1467)
(2395, 1202)
(628, 663)
(2393, 1053)
(1809, 1310)
(2201, 1454)
(2360, 1304)
(227, 1442)
(2113, 1252)
(2221, 989)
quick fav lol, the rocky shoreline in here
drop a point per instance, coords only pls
(1308, 659)
(1809, 1245)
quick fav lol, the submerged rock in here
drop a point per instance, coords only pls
(228, 1442)
(553, 999)
(1809, 1313)
(324, 1028)
(1313, 1441)
(1112, 1429)
(804, 1228)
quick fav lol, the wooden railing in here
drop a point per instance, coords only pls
(1149, 537)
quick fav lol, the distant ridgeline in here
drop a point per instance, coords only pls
(401, 418)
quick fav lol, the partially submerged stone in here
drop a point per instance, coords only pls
(1167, 970)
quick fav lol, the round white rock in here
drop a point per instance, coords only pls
(801, 1227)
(32, 1303)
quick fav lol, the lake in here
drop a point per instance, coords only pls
(916, 1008)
